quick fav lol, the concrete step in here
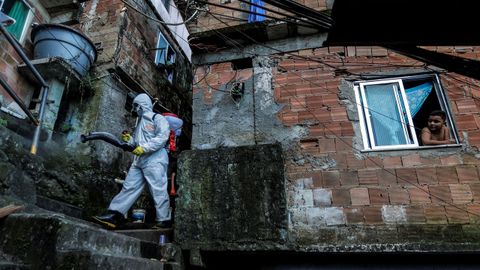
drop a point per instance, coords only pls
(149, 235)
(4, 265)
(83, 260)
(37, 238)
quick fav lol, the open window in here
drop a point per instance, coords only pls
(393, 112)
(165, 57)
(22, 13)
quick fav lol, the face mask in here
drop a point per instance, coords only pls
(136, 110)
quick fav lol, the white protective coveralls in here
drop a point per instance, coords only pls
(150, 167)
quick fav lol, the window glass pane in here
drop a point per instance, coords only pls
(19, 11)
(384, 115)
(162, 46)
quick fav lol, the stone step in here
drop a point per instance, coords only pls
(37, 238)
(149, 235)
(83, 260)
(4, 265)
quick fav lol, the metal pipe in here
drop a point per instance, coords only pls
(17, 99)
(24, 57)
(45, 87)
(36, 136)
(109, 138)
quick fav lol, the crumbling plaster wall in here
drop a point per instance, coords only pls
(339, 198)
(128, 41)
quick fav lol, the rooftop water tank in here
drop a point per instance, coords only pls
(56, 40)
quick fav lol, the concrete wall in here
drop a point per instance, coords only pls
(231, 196)
(128, 40)
(207, 22)
(339, 197)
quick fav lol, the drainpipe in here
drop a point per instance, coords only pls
(36, 74)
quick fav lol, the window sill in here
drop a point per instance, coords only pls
(443, 146)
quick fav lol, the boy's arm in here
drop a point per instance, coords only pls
(426, 138)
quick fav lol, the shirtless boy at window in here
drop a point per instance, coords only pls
(436, 133)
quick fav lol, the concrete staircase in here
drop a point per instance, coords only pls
(55, 241)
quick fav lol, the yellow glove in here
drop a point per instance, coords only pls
(126, 137)
(138, 151)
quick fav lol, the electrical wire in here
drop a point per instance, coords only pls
(377, 164)
(157, 20)
(289, 20)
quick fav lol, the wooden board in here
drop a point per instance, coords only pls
(7, 210)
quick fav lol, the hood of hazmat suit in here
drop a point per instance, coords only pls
(152, 132)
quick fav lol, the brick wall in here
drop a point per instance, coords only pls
(9, 60)
(411, 187)
(332, 185)
(230, 17)
(128, 40)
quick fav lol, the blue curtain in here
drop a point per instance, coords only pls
(255, 17)
(417, 95)
(384, 115)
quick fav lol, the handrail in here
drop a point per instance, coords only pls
(36, 74)
(17, 99)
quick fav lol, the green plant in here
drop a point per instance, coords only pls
(3, 122)
(65, 127)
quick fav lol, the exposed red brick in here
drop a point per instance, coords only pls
(474, 138)
(430, 160)
(447, 175)
(392, 162)
(331, 178)
(387, 177)
(456, 214)
(367, 177)
(411, 160)
(466, 106)
(475, 189)
(339, 114)
(415, 214)
(378, 196)
(373, 162)
(373, 215)
(435, 214)
(461, 193)
(406, 176)
(348, 178)
(467, 174)
(354, 163)
(340, 160)
(341, 197)
(326, 145)
(359, 196)
(474, 212)
(427, 176)
(451, 160)
(317, 179)
(440, 194)
(466, 122)
(399, 195)
(343, 144)
(347, 129)
(354, 215)
(418, 195)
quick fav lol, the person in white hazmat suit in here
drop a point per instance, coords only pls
(149, 167)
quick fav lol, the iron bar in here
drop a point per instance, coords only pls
(36, 74)
(17, 99)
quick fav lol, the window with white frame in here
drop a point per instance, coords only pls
(393, 112)
(165, 56)
(22, 13)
